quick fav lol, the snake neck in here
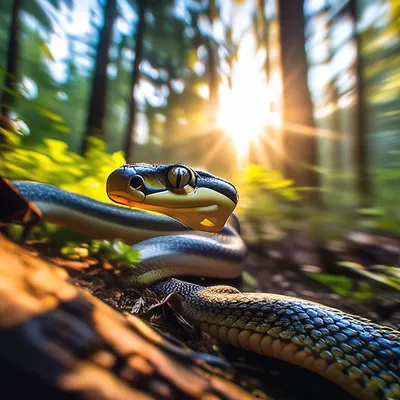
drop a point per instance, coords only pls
(185, 290)
(95, 218)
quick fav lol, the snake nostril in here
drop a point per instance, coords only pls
(136, 182)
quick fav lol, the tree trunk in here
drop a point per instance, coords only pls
(213, 81)
(169, 146)
(130, 135)
(333, 96)
(11, 74)
(268, 133)
(264, 37)
(212, 71)
(361, 145)
(98, 98)
(300, 150)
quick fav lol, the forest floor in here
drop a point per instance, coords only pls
(283, 266)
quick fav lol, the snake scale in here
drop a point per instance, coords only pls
(185, 226)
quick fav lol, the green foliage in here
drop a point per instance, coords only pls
(382, 275)
(267, 198)
(263, 192)
(116, 251)
(75, 251)
(364, 284)
(44, 114)
(76, 246)
(344, 286)
(52, 162)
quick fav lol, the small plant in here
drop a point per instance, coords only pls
(52, 162)
(268, 199)
(116, 251)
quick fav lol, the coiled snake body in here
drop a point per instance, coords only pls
(198, 236)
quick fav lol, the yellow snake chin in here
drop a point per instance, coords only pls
(202, 209)
(290, 352)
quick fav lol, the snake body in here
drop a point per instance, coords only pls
(358, 355)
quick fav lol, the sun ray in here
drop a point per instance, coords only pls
(244, 105)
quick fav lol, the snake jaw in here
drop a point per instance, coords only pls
(121, 198)
(204, 209)
(199, 213)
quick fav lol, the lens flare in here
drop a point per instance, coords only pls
(244, 103)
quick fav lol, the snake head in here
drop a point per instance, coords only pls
(196, 198)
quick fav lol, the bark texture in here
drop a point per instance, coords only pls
(97, 105)
(300, 149)
(64, 342)
(139, 36)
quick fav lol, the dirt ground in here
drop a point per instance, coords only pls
(272, 266)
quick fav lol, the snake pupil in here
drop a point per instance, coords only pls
(178, 177)
(136, 182)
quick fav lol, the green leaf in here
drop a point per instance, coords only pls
(116, 251)
(344, 286)
(377, 277)
(339, 284)
(61, 128)
(250, 281)
(373, 212)
(12, 137)
(49, 114)
(74, 251)
(46, 51)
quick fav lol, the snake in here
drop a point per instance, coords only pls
(181, 222)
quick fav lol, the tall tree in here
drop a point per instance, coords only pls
(10, 79)
(331, 93)
(261, 24)
(73, 94)
(212, 65)
(361, 145)
(34, 8)
(168, 53)
(98, 101)
(263, 36)
(300, 151)
(139, 36)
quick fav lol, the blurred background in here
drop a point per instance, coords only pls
(297, 102)
(293, 99)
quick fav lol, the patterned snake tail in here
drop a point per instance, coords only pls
(193, 233)
(358, 355)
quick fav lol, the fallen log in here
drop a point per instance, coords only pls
(57, 339)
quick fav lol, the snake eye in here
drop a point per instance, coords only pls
(136, 182)
(178, 177)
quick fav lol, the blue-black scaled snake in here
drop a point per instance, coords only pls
(183, 225)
